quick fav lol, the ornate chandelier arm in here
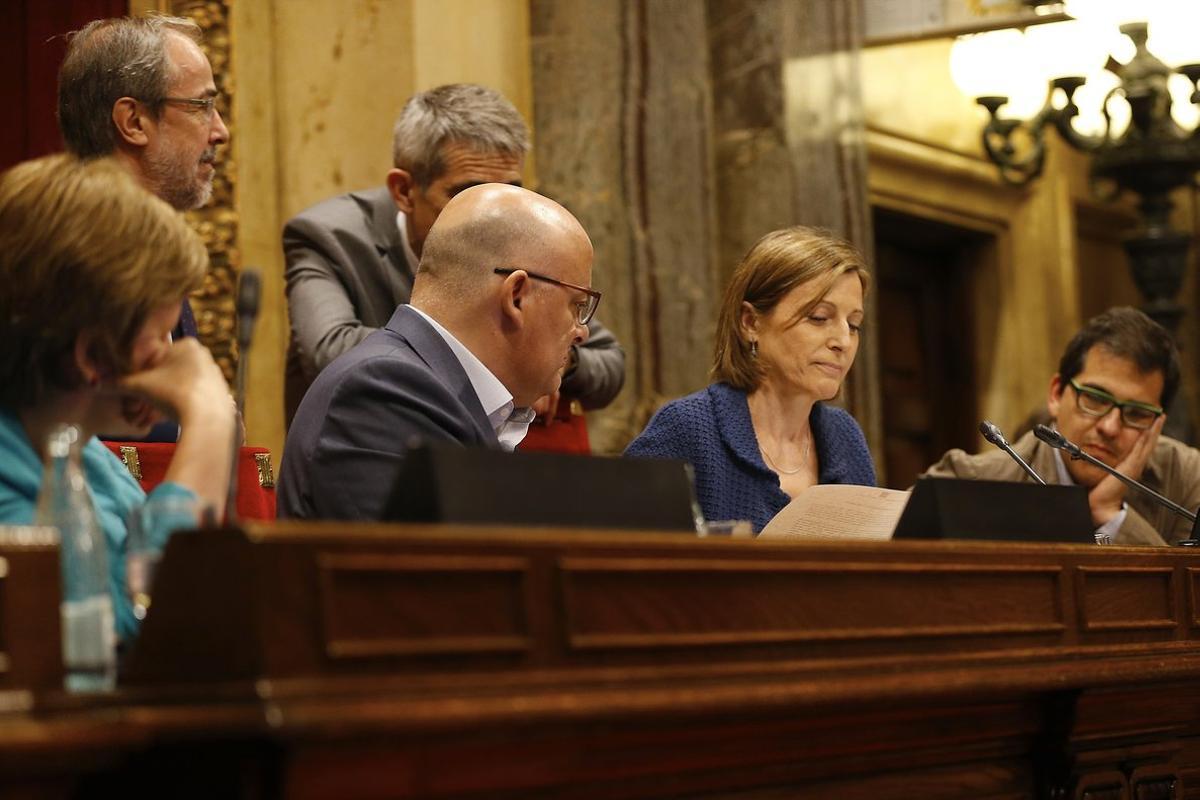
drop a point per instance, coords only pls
(1192, 73)
(998, 141)
(1062, 117)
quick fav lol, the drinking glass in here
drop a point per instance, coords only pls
(149, 528)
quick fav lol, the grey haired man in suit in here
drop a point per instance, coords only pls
(351, 259)
(462, 363)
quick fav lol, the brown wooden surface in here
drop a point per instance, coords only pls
(370, 661)
(30, 650)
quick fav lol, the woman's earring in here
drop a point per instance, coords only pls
(754, 348)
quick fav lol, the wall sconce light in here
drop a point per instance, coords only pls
(1143, 129)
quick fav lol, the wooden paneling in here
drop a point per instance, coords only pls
(383, 605)
(326, 660)
(1113, 598)
(30, 651)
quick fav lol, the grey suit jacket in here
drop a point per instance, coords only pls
(348, 442)
(346, 272)
(1173, 471)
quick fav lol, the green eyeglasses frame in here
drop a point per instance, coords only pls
(1101, 403)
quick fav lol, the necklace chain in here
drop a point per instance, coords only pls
(781, 470)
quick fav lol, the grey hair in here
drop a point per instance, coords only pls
(109, 59)
(458, 112)
(460, 257)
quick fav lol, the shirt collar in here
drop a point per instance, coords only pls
(1064, 475)
(509, 422)
(402, 224)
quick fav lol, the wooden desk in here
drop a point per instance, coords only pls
(308, 661)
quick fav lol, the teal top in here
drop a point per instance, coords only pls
(115, 494)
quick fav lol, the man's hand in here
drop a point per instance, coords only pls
(1107, 496)
(545, 408)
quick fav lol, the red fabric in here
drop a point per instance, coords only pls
(565, 433)
(31, 49)
(254, 501)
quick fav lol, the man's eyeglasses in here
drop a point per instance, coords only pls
(1096, 403)
(584, 309)
(205, 104)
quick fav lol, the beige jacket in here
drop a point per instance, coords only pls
(1173, 471)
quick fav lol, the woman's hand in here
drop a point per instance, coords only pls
(185, 384)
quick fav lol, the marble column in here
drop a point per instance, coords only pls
(680, 132)
(622, 137)
(790, 141)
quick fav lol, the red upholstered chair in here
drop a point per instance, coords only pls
(566, 433)
(147, 462)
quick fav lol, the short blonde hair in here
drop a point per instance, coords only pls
(83, 247)
(775, 265)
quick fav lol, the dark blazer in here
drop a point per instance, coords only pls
(347, 444)
(347, 270)
(712, 430)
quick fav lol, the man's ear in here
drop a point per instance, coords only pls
(132, 120)
(1054, 396)
(514, 291)
(401, 185)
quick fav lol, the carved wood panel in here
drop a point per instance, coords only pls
(217, 221)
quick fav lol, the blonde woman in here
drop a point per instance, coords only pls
(787, 334)
(94, 270)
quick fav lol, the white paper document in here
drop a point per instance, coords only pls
(836, 511)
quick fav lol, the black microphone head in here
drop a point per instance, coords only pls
(992, 433)
(1050, 436)
(248, 294)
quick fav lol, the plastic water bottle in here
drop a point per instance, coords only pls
(88, 626)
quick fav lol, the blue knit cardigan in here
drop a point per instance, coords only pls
(711, 430)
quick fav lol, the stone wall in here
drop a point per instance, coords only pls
(680, 133)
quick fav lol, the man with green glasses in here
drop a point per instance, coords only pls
(1113, 382)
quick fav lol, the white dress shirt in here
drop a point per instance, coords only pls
(509, 422)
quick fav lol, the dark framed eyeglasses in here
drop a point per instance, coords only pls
(1097, 402)
(204, 104)
(584, 309)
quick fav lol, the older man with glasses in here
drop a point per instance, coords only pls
(501, 297)
(141, 90)
(1113, 382)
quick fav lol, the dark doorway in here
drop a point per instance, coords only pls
(925, 275)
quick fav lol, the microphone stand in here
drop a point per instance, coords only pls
(1060, 442)
(249, 292)
(992, 433)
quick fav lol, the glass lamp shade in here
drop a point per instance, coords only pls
(1173, 26)
(996, 63)
(1019, 64)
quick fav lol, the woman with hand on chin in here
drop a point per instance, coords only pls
(787, 334)
(94, 269)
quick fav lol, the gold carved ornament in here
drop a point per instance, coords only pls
(217, 221)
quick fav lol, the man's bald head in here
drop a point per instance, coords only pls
(522, 323)
(496, 225)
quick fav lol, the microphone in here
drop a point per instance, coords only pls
(1060, 442)
(248, 297)
(993, 435)
(249, 293)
